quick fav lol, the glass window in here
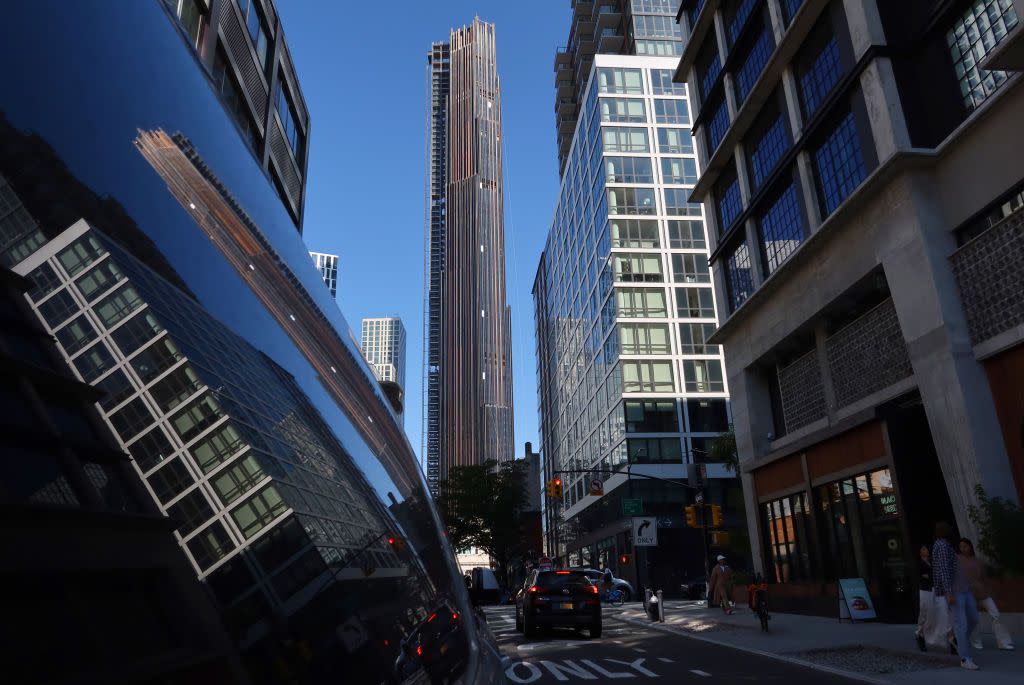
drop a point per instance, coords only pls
(707, 416)
(654, 450)
(170, 480)
(693, 338)
(99, 279)
(631, 201)
(216, 447)
(117, 389)
(790, 8)
(80, 254)
(623, 110)
(76, 335)
(622, 139)
(197, 417)
(840, 164)
(686, 234)
(782, 228)
(628, 170)
(681, 170)
(235, 481)
(766, 151)
(259, 510)
(703, 375)
(231, 95)
(752, 63)
(817, 81)
(737, 14)
(674, 141)
(651, 417)
(131, 419)
(175, 388)
(650, 338)
(638, 268)
(671, 112)
(191, 511)
(739, 276)
(151, 449)
(635, 233)
(690, 268)
(647, 376)
(118, 305)
(44, 281)
(210, 546)
(299, 573)
(677, 202)
(709, 65)
(58, 308)
(290, 120)
(695, 303)
(136, 332)
(728, 201)
(641, 302)
(973, 36)
(92, 363)
(717, 125)
(256, 27)
(620, 81)
(662, 83)
(155, 359)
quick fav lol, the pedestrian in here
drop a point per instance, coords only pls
(980, 588)
(721, 581)
(943, 574)
(951, 575)
(608, 580)
(925, 614)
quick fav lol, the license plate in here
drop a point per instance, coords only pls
(565, 605)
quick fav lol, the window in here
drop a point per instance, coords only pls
(781, 228)
(93, 362)
(671, 112)
(709, 66)
(740, 12)
(190, 15)
(659, 47)
(695, 303)
(99, 280)
(299, 573)
(739, 276)
(623, 110)
(654, 450)
(661, 81)
(690, 268)
(677, 202)
(621, 139)
(175, 388)
(170, 480)
(703, 375)
(256, 26)
(635, 233)
(216, 447)
(693, 337)
(136, 332)
(641, 302)
(80, 254)
(191, 511)
(651, 417)
(647, 376)
(717, 126)
(290, 120)
(117, 389)
(199, 416)
(237, 480)
(766, 151)
(728, 201)
(840, 164)
(674, 141)
(680, 170)
(631, 201)
(262, 508)
(619, 81)
(210, 546)
(640, 338)
(707, 415)
(790, 8)
(76, 335)
(752, 63)
(58, 308)
(637, 268)
(817, 81)
(131, 419)
(973, 36)
(44, 281)
(628, 170)
(155, 359)
(117, 306)
(231, 93)
(280, 544)
(686, 234)
(151, 449)
(656, 26)
(787, 521)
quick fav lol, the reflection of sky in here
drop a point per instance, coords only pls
(146, 79)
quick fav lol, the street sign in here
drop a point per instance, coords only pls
(699, 498)
(632, 507)
(645, 531)
(545, 564)
(596, 488)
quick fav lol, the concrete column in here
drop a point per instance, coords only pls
(885, 110)
(792, 93)
(821, 351)
(809, 189)
(953, 386)
(752, 422)
(778, 23)
(754, 245)
(864, 24)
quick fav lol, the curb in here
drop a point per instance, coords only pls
(852, 675)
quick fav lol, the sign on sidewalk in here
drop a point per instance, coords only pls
(645, 531)
(855, 600)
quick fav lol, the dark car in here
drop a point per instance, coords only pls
(597, 578)
(558, 599)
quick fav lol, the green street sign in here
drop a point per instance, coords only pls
(632, 507)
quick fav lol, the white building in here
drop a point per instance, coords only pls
(383, 343)
(327, 264)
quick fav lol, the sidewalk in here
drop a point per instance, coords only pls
(868, 651)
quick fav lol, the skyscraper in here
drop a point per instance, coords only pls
(468, 408)
(328, 267)
(383, 343)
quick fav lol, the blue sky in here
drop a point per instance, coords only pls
(362, 68)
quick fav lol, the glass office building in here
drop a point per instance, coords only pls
(177, 285)
(327, 264)
(383, 343)
(624, 307)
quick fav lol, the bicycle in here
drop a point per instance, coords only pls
(615, 597)
(759, 603)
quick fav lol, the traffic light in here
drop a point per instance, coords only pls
(716, 516)
(557, 483)
(624, 559)
(396, 543)
(691, 516)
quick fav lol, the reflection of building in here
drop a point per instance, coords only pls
(623, 300)
(383, 344)
(862, 171)
(468, 408)
(327, 265)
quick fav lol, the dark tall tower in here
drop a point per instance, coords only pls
(469, 361)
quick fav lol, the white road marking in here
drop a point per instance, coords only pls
(635, 665)
(534, 672)
(699, 672)
(568, 666)
(606, 673)
(642, 651)
(665, 659)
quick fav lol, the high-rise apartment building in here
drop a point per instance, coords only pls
(205, 415)
(327, 264)
(628, 385)
(468, 408)
(607, 27)
(862, 180)
(383, 343)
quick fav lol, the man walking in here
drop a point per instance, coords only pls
(951, 583)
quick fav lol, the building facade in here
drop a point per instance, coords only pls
(608, 27)
(158, 254)
(628, 385)
(468, 413)
(862, 180)
(327, 265)
(383, 343)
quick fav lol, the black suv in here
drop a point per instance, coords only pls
(558, 599)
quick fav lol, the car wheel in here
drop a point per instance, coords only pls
(529, 629)
(519, 622)
(595, 630)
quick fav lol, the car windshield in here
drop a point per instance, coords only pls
(557, 580)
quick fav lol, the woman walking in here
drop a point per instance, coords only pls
(926, 597)
(721, 581)
(975, 573)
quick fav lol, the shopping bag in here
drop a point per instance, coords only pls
(939, 622)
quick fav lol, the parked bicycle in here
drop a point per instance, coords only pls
(615, 597)
(758, 597)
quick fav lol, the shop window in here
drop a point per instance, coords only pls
(787, 525)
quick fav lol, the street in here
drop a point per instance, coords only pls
(627, 651)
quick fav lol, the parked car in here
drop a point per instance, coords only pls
(597, 578)
(558, 599)
(696, 588)
(485, 588)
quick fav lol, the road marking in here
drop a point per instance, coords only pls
(564, 670)
(535, 672)
(636, 666)
(606, 673)
(665, 659)
(637, 649)
(699, 672)
(567, 666)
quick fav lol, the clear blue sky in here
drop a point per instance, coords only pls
(362, 68)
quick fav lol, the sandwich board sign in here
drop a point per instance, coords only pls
(855, 600)
(645, 531)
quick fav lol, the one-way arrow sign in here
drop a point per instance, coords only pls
(645, 531)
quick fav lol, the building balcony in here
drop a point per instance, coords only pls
(565, 107)
(582, 8)
(1008, 55)
(610, 40)
(608, 17)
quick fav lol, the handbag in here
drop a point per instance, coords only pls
(939, 622)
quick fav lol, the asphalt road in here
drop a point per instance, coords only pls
(628, 652)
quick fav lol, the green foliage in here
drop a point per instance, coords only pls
(482, 506)
(999, 523)
(723, 450)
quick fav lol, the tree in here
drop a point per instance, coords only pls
(482, 505)
(723, 450)
(999, 523)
